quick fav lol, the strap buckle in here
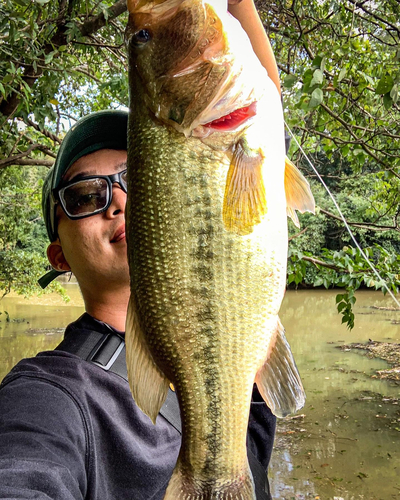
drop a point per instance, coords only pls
(105, 354)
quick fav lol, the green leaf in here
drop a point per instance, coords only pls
(8, 78)
(318, 61)
(105, 12)
(318, 78)
(290, 81)
(394, 93)
(385, 84)
(317, 97)
(367, 78)
(387, 101)
(49, 57)
(342, 74)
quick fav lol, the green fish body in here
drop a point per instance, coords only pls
(207, 244)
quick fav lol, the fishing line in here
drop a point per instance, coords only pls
(344, 219)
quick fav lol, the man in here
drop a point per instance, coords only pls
(69, 428)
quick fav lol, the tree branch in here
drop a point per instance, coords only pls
(37, 163)
(298, 234)
(347, 127)
(9, 106)
(318, 262)
(43, 131)
(95, 23)
(362, 225)
(375, 16)
(16, 159)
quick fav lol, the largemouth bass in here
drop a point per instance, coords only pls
(207, 237)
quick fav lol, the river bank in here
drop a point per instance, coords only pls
(389, 352)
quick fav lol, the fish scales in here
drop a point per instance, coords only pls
(194, 281)
(207, 280)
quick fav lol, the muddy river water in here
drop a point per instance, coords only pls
(343, 445)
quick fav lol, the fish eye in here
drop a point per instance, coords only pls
(141, 37)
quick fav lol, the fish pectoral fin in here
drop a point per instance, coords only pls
(298, 193)
(148, 384)
(244, 202)
(278, 380)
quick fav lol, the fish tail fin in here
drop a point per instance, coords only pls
(187, 487)
(278, 380)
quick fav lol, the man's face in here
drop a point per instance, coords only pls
(95, 247)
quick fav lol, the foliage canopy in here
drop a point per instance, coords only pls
(339, 63)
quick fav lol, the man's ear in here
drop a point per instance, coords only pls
(56, 256)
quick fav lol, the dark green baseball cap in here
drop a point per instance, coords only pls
(100, 130)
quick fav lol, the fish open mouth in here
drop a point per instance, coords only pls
(234, 119)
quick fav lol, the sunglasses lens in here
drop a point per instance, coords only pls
(124, 180)
(85, 197)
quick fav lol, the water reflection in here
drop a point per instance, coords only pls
(28, 326)
(343, 445)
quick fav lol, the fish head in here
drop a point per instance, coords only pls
(184, 56)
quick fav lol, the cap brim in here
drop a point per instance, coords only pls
(49, 277)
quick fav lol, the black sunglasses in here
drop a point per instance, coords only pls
(87, 196)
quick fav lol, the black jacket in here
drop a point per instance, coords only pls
(70, 430)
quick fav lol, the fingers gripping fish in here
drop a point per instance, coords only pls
(207, 237)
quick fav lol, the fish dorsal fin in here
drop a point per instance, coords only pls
(298, 193)
(148, 384)
(244, 202)
(278, 380)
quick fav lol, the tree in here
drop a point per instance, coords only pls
(58, 61)
(339, 67)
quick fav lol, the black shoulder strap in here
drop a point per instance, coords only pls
(107, 350)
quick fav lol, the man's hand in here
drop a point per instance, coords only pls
(246, 13)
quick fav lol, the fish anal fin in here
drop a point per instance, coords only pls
(278, 380)
(245, 202)
(148, 384)
(298, 193)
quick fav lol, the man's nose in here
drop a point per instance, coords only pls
(118, 201)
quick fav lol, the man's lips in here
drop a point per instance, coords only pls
(119, 234)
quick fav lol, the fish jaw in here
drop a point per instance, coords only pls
(200, 79)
